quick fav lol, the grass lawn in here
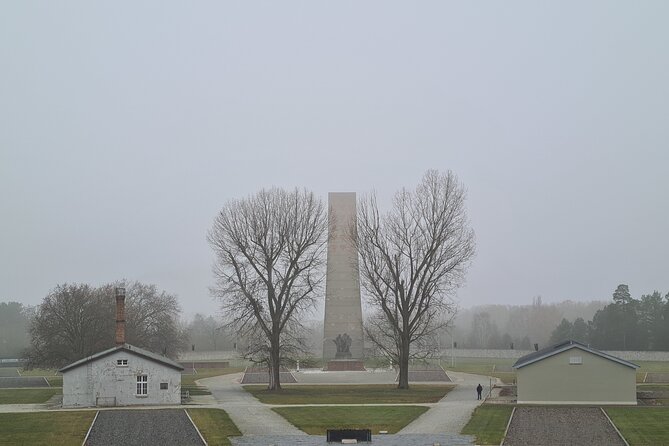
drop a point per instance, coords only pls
(353, 394)
(38, 372)
(483, 366)
(188, 380)
(487, 423)
(653, 387)
(194, 390)
(55, 381)
(45, 428)
(653, 366)
(642, 425)
(28, 396)
(316, 420)
(215, 425)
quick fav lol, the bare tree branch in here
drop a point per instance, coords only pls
(412, 259)
(269, 262)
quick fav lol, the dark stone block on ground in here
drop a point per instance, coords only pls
(337, 435)
(558, 426)
(153, 427)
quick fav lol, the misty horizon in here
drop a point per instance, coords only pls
(123, 135)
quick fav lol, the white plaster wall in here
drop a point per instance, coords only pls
(102, 378)
(76, 388)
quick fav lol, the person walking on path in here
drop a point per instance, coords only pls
(479, 389)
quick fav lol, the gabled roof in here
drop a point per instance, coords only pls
(562, 347)
(128, 348)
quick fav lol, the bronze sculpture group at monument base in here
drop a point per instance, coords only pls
(344, 361)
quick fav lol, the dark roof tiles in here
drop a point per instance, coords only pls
(564, 346)
(129, 348)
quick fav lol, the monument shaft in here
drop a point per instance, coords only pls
(343, 336)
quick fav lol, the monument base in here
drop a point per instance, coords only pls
(345, 365)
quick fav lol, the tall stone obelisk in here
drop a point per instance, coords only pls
(342, 332)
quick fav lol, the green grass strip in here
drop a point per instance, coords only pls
(353, 394)
(45, 428)
(28, 396)
(487, 423)
(316, 420)
(642, 425)
(208, 373)
(215, 426)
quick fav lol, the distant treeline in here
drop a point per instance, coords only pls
(515, 326)
(624, 324)
(14, 322)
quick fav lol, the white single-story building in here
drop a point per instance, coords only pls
(573, 373)
(122, 376)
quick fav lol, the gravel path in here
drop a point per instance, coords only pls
(143, 428)
(558, 426)
(452, 413)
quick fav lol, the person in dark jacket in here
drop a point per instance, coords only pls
(479, 389)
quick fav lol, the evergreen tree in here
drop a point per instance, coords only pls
(579, 331)
(562, 332)
(622, 295)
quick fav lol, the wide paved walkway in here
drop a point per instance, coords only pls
(452, 413)
(448, 416)
(250, 415)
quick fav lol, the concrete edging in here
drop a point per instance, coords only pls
(614, 426)
(90, 428)
(506, 431)
(204, 442)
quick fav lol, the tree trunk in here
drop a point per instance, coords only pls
(404, 365)
(275, 364)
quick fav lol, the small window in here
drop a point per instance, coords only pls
(142, 385)
(163, 386)
(575, 360)
(122, 362)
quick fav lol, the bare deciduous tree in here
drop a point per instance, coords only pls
(269, 255)
(411, 260)
(77, 320)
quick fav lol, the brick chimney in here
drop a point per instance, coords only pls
(120, 316)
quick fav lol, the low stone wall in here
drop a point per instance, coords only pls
(515, 354)
(458, 352)
(207, 355)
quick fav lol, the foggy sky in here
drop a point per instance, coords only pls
(125, 126)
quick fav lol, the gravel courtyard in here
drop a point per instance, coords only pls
(151, 427)
(559, 426)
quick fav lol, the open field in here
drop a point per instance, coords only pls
(483, 366)
(214, 425)
(39, 372)
(316, 420)
(28, 396)
(500, 368)
(188, 381)
(45, 428)
(488, 423)
(208, 373)
(9, 371)
(642, 425)
(350, 394)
